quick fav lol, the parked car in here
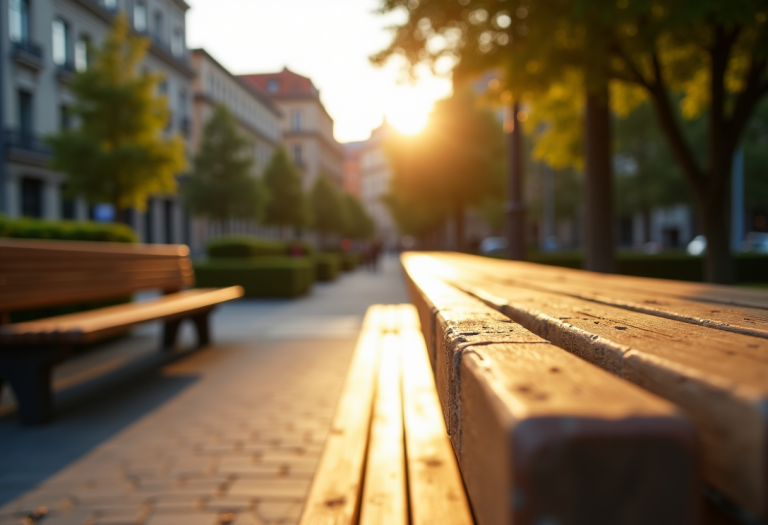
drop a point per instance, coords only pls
(697, 246)
(494, 246)
(756, 242)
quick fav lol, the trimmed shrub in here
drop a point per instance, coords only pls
(749, 268)
(26, 228)
(262, 277)
(253, 247)
(327, 266)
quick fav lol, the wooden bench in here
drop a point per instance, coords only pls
(388, 460)
(670, 353)
(38, 274)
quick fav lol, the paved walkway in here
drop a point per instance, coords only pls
(228, 434)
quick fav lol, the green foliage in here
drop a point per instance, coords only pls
(25, 228)
(358, 224)
(646, 174)
(253, 247)
(327, 266)
(117, 153)
(454, 163)
(265, 277)
(221, 186)
(328, 207)
(288, 205)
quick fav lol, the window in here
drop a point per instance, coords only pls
(296, 120)
(18, 21)
(25, 115)
(81, 53)
(110, 4)
(273, 86)
(31, 197)
(177, 43)
(140, 17)
(162, 87)
(157, 33)
(297, 157)
(60, 53)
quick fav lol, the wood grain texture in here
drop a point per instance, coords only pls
(385, 501)
(630, 294)
(719, 379)
(336, 489)
(88, 326)
(434, 482)
(38, 273)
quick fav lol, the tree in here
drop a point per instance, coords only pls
(221, 186)
(288, 205)
(714, 54)
(117, 153)
(451, 165)
(328, 207)
(358, 224)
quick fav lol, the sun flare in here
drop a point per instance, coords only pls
(409, 111)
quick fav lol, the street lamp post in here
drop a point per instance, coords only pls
(515, 206)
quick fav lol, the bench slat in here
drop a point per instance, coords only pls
(434, 481)
(87, 326)
(631, 295)
(336, 489)
(505, 395)
(384, 493)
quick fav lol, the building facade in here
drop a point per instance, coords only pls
(258, 119)
(307, 127)
(44, 42)
(352, 168)
(375, 175)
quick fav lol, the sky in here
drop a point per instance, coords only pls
(330, 42)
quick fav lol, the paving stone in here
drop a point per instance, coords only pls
(279, 488)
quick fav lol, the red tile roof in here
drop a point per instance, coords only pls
(284, 84)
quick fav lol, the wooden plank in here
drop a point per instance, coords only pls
(434, 482)
(336, 489)
(719, 379)
(87, 326)
(73, 248)
(384, 493)
(628, 294)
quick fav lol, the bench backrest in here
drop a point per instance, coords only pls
(43, 273)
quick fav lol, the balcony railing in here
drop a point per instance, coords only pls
(66, 71)
(26, 141)
(28, 53)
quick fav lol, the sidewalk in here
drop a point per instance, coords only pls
(228, 434)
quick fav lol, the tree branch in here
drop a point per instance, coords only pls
(671, 127)
(746, 101)
(635, 75)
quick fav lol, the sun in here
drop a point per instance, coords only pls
(409, 113)
(408, 123)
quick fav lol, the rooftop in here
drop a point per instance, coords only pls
(284, 84)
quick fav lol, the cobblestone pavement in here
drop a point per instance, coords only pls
(228, 434)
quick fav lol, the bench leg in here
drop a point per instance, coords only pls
(203, 327)
(170, 333)
(29, 373)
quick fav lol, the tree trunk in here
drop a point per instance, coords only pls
(598, 184)
(458, 222)
(515, 208)
(716, 225)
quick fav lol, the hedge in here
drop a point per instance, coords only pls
(26, 228)
(263, 277)
(253, 247)
(749, 268)
(327, 266)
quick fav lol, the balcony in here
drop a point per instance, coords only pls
(65, 71)
(28, 54)
(26, 147)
